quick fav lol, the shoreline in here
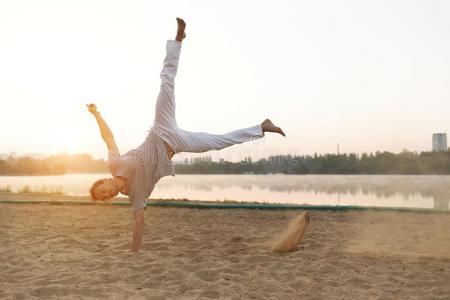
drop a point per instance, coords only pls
(55, 199)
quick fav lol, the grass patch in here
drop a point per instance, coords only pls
(44, 190)
(5, 189)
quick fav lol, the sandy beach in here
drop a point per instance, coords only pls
(74, 251)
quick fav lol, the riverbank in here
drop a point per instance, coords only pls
(56, 251)
(424, 192)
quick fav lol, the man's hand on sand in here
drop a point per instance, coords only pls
(180, 31)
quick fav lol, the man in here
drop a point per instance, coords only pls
(136, 172)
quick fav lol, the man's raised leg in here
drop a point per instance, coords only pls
(188, 141)
(165, 105)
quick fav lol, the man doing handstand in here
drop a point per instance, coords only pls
(136, 172)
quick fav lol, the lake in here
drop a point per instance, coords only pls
(408, 191)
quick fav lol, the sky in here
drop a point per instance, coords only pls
(367, 75)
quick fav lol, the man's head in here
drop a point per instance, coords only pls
(104, 189)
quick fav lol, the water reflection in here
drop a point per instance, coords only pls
(378, 190)
(341, 188)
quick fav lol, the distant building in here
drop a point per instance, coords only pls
(200, 160)
(440, 142)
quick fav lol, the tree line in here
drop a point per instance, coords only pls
(405, 162)
(53, 165)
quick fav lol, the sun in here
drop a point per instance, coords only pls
(69, 141)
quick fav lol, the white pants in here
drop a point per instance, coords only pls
(165, 124)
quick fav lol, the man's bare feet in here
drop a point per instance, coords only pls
(180, 31)
(268, 126)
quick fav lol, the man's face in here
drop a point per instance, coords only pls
(106, 190)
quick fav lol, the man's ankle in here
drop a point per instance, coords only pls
(180, 36)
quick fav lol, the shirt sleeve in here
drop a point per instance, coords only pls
(112, 156)
(113, 159)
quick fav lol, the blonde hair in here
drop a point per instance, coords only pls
(95, 186)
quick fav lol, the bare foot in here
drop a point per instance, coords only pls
(268, 126)
(180, 31)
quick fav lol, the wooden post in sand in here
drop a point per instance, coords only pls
(289, 240)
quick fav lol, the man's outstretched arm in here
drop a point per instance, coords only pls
(106, 133)
(138, 230)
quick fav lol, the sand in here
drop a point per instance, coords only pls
(79, 252)
(289, 240)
